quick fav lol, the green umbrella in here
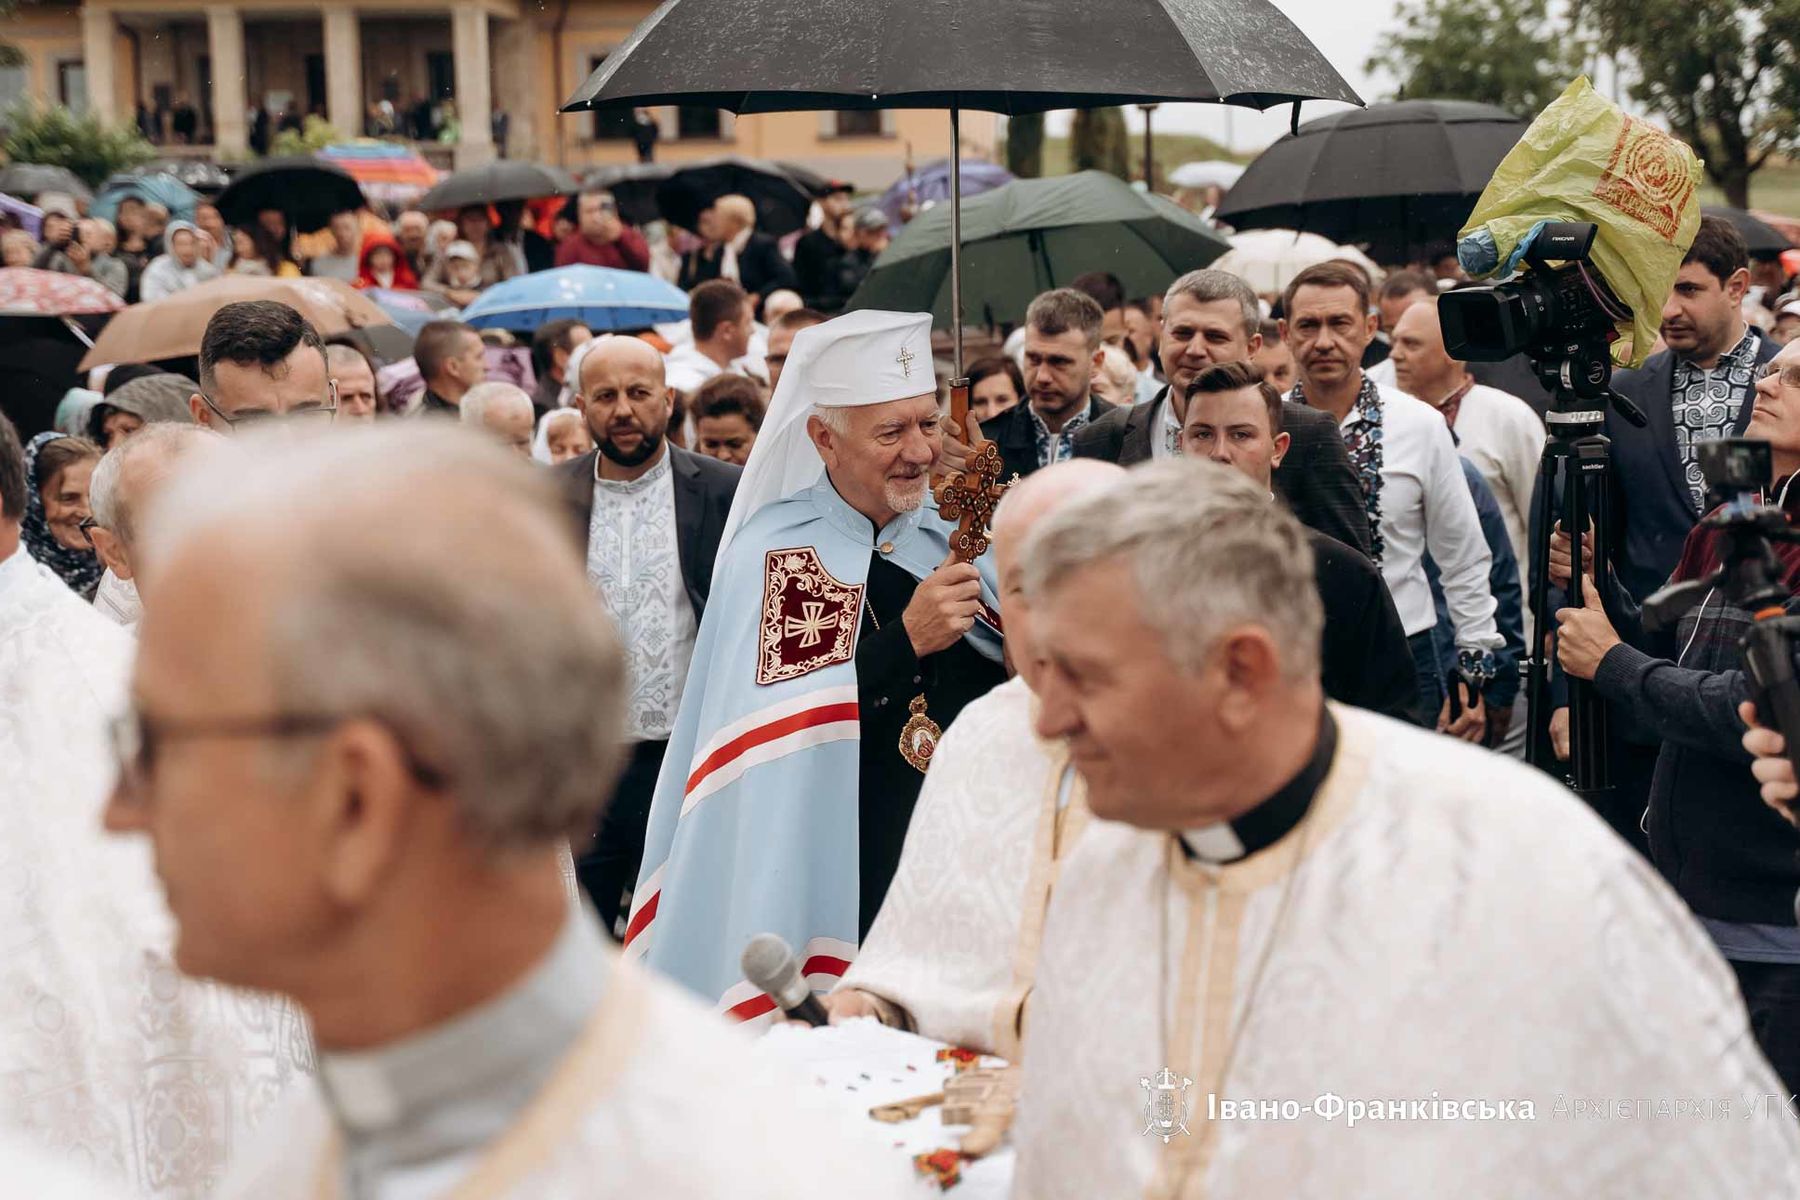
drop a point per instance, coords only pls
(1032, 235)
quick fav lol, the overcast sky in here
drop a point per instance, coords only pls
(1347, 31)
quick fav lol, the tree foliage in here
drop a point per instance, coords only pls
(1510, 53)
(84, 144)
(1098, 141)
(1025, 145)
(1724, 74)
(315, 134)
(10, 55)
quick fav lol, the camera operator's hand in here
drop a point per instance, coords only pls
(1559, 734)
(1562, 561)
(1583, 636)
(1771, 767)
(1470, 725)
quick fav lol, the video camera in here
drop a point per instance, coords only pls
(1564, 318)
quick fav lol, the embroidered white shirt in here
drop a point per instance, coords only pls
(634, 562)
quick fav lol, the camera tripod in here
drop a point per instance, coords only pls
(1575, 475)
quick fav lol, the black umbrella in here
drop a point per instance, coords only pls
(498, 182)
(782, 194)
(307, 190)
(1396, 177)
(1762, 238)
(784, 55)
(27, 180)
(633, 185)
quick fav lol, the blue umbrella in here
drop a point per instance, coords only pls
(930, 185)
(152, 187)
(601, 298)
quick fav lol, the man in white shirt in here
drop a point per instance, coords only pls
(1496, 431)
(722, 320)
(1413, 487)
(649, 516)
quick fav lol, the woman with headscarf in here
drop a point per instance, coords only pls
(383, 265)
(562, 434)
(57, 470)
(143, 401)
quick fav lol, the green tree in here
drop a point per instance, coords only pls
(1511, 53)
(1724, 74)
(1025, 145)
(85, 145)
(315, 134)
(1098, 141)
(10, 55)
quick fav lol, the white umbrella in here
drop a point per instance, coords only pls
(1200, 175)
(1267, 259)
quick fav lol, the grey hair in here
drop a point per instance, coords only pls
(1208, 285)
(833, 417)
(163, 440)
(462, 621)
(1207, 549)
(483, 396)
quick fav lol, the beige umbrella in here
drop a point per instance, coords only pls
(172, 328)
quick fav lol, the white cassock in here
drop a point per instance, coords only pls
(653, 1097)
(955, 944)
(1458, 929)
(107, 1055)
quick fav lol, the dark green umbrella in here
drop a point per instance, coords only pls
(1035, 234)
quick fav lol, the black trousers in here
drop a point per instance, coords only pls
(1772, 996)
(609, 869)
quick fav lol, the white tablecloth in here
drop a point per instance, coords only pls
(864, 1063)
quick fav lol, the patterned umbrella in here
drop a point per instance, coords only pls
(388, 172)
(25, 292)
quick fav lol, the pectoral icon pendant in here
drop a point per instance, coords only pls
(919, 739)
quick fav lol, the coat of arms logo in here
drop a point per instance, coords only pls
(1166, 1104)
(808, 618)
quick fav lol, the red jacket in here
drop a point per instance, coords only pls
(630, 253)
(404, 279)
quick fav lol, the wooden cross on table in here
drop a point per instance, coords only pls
(968, 496)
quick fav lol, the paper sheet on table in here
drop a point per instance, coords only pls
(864, 1063)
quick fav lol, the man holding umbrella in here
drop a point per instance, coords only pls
(734, 250)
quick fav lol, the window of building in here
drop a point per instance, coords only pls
(860, 123)
(610, 124)
(71, 86)
(693, 121)
(440, 72)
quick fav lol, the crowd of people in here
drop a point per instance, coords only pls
(1212, 760)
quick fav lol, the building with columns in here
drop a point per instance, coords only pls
(339, 58)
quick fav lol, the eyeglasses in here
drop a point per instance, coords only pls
(322, 414)
(135, 740)
(87, 527)
(1790, 374)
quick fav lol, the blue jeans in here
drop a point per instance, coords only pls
(1429, 670)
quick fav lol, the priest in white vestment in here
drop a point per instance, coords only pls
(359, 749)
(107, 1057)
(953, 950)
(1325, 954)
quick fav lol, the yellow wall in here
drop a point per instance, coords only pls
(47, 37)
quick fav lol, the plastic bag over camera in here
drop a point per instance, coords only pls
(1583, 159)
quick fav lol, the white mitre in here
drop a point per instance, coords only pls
(863, 357)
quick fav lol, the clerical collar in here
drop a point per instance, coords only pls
(840, 513)
(456, 1087)
(1274, 818)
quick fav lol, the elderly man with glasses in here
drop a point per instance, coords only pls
(260, 360)
(1732, 858)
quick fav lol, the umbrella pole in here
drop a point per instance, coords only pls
(956, 306)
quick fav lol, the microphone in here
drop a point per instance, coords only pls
(769, 963)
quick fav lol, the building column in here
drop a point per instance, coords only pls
(516, 49)
(225, 45)
(343, 71)
(98, 35)
(474, 106)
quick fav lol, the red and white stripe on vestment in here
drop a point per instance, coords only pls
(823, 963)
(797, 723)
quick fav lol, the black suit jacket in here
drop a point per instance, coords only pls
(1016, 434)
(1364, 659)
(761, 269)
(703, 491)
(1316, 478)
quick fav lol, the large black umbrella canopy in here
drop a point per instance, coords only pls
(1396, 177)
(1031, 235)
(782, 193)
(29, 179)
(1021, 56)
(633, 185)
(307, 190)
(1762, 238)
(498, 182)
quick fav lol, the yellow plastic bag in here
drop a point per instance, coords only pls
(1583, 159)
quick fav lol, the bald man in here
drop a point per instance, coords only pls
(649, 516)
(951, 953)
(344, 805)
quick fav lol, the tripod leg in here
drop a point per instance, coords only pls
(1587, 711)
(1538, 751)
